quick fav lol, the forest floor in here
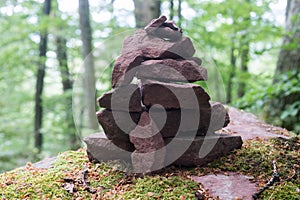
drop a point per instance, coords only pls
(71, 176)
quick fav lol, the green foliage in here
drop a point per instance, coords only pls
(259, 98)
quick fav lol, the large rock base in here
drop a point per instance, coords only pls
(200, 150)
(99, 148)
(179, 151)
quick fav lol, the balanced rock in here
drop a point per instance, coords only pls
(124, 98)
(99, 148)
(123, 64)
(201, 150)
(164, 119)
(219, 117)
(147, 141)
(117, 125)
(164, 29)
(186, 122)
(172, 70)
(174, 96)
(155, 47)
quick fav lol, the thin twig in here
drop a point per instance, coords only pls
(87, 187)
(274, 178)
(84, 172)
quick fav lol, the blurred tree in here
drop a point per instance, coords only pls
(38, 136)
(62, 57)
(89, 71)
(286, 103)
(230, 33)
(145, 11)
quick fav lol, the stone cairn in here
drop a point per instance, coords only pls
(154, 116)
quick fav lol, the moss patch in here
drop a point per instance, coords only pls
(64, 179)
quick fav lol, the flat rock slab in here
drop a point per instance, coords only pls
(125, 98)
(201, 150)
(174, 96)
(172, 70)
(99, 148)
(123, 64)
(155, 47)
(184, 121)
(117, 125)
(228, 187)
(249, 126)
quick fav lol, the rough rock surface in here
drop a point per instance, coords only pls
(117, 126)
(174, 96)
(202, 149)
(219, 117)
(146, 136)
(154, 47)
(126, 62)
(185, 121)
(249, 126)
(164, 29)
(172, 70)
(230, 186)
(99, 148)
(125, 98)
(147, 141)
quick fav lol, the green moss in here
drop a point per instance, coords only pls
(106, 182)
(159, 187)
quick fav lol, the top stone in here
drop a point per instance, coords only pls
(164, 29)
(156, 47)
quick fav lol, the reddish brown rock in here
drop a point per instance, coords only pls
(123, 64)
(161, 28)
(124, 98)
(167, 33)
(172, 70)
(99, 148)
(155, 23)
(117, 125)
(174, 96)
(201, 150)
(147, 141)
(228, 186)
(154, 47)
(188, 122)
(146, 136)
(219, 117)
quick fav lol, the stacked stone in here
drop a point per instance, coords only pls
(163, 107)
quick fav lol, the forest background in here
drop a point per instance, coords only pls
(49, 75)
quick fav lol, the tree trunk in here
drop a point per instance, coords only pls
(289, 56)
(62, 57)
(89, 71)
(171, 9)
(179, 13)
(232, 73)
(288, 60)
(38, 118)
(61, 51)
(145, 11)
(244, 67)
